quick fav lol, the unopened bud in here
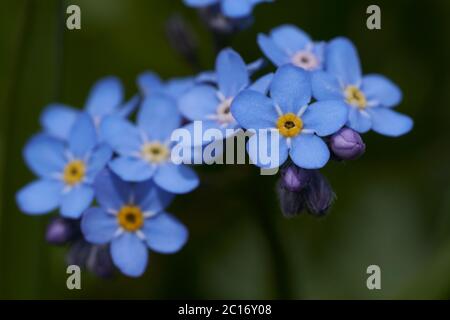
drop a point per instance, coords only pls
(61, 230)
(347, 144)
(319, 195)
(294, 178)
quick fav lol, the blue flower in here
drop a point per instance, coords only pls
(211, 104)
(230, 8)
(289, 44)
(65, 170)
(131, 218)
(369, 98)
(297, 125)
(145, 150)
(105, 98)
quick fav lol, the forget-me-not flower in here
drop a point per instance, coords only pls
(369, 98)
(234, 9)
(297, 124)
(145, 150)
(131, 218)
(211, 103)
(66, 170)
(289, 44)
(105, 98)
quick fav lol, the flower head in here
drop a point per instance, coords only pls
(288, 44)
(296, 124)
(369, 98)
(211, 103)
(105, 98)
(66, 170)
(144, 150)
(131, 218)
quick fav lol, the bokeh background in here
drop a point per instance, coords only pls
(393, 206)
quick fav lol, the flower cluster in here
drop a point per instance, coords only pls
(98, 154)
(111, 178)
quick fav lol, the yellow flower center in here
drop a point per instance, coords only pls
(289, 125)
(355, 97)
(130, 218)
(155, 152)
(74, 172)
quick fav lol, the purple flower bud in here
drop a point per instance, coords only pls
(347, 144)
(319, 195)
(96, 258)
(79, 253)
(294, 178)
(291, 202)
(100, 262)
(61, 230)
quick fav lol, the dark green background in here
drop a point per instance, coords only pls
(393, 206)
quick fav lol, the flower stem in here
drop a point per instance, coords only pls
(266, 219)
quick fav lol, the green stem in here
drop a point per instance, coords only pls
(267, 221)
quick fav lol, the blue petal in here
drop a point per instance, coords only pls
(58, 119)
(325, 117)
(206, 77)
(255, 66)
(199, 102)
(291, 88)
(129, 254)
(44, 155)
(105, 96)
(196, 130)
(200, 3)
(319, 50)
(159, 116)
(381, 90)
(149, 83)
(83, 136)
(236, 9)
(290, 38)
(132, 169)
(98, 227)
(308, 151)
(121, 135)
(342, 61)
(176, 178)
(262, 84)
(272, 51)
(232, 74)
(76, 201)
(179, 86)
(325, 86)
(131, 105)
(358, 121)
(164, 233)
(98, 159)
(390, 123)
(253, 110)
(150, 197)
(111, 192)
(39, 197)
(261, 148)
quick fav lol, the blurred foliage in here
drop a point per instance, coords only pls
(393, 206)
